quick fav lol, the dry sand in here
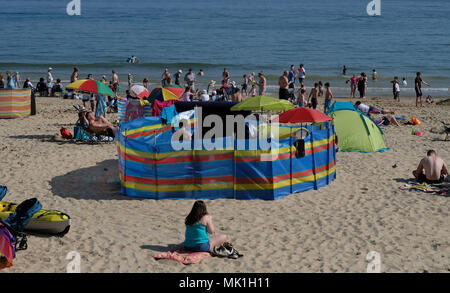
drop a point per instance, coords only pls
(330, 230)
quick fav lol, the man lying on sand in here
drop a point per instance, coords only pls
(371, 110)
(387, 120)
(98, 125)
(435, 169)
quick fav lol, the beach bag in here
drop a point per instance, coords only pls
(65, 133)
(299, 148)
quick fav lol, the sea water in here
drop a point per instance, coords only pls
(243, 36)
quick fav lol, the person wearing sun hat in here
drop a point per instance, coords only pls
(49, 79)
(178, 76)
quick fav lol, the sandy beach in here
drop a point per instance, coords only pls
(329, 230)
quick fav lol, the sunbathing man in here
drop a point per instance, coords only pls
(435, 169)
(370, 109)
(98, 125)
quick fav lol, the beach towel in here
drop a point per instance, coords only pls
(168, 114)
(134, 110)
(101, 106)
(184, 257)
(439, 189)
(157, 106)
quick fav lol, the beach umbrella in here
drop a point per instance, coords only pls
(166, 92)
(139, 91)
(303, 115)
(91, 86)
(262, 103)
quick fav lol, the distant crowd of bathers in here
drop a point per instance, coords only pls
(252, 85)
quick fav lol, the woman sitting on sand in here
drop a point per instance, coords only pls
(198, 225)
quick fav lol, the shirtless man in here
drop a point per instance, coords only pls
(312, 98)
(115, 78)
(435, 169)
(283, 82)
(98, 125)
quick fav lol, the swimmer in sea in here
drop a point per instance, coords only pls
(133, 59)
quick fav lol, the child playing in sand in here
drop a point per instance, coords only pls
(328, 97)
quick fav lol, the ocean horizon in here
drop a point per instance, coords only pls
(242, 36)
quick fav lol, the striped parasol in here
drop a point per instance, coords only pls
(91, 86)
(139, 91)
(166, 92)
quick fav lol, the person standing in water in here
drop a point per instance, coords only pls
(418, 87)
(74, 76)
(396, 89)
(353, 82)
(362, 81)
(301, 75)
(262, 84)
(374, 75)
(344, 70)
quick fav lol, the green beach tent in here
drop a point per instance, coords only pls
(356, 131)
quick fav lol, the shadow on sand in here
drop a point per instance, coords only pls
(159, 248)
(99, 182)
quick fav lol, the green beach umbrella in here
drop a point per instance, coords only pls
(263, 103)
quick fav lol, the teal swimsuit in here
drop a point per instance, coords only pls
(196, 237)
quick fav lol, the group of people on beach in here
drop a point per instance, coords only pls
(45, 87)
(287, 90)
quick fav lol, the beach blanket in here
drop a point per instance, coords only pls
(184, 257)
(440, 189)
(134, 110)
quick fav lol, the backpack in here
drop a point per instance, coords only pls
(23, 214)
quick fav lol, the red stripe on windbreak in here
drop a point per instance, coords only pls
(263, 158)
(150, 132)
(15, 99)
(178, 181)
(182, 159)
(14, 108)
(285, 176)
(282, 156)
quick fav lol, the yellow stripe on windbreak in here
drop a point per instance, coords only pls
(159, 156)
(183, 187)
(147, 128)
(284, 183)
(14, 103)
